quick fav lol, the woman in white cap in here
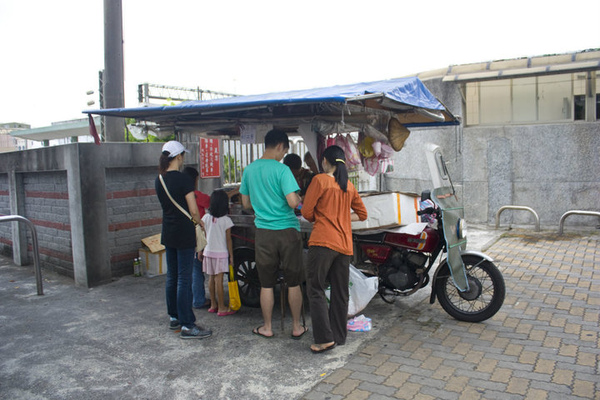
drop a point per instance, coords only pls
(179, 239)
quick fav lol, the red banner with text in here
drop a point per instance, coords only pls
(209, 158)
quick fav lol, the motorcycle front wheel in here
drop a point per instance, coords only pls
(484, 297)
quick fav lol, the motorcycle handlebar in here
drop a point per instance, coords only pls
(428, 210)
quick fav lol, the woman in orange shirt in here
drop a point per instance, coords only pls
(329, 202)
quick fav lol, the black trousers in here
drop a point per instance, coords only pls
(328, 267)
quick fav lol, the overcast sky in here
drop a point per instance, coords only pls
(52, 50)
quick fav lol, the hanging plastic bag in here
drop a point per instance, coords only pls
(235, 303)
(386, 151)
(350, 150)
(371, 165)
(366, 147)
(352, 154)
(330, 141)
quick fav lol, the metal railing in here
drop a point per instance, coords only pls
(574, 212)
(36, 254)
(537, 218)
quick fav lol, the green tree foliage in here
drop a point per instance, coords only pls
(232, 169)
(151, 138)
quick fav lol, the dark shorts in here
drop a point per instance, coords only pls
(277, 250)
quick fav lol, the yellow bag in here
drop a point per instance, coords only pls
(234, 294)
(366, 147)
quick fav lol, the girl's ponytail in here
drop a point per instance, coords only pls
(164, 162)
(335, 156)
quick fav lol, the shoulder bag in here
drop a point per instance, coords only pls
(200, 236)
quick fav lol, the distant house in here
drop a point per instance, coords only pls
(63, 132)
(530, 136)
(8, 142)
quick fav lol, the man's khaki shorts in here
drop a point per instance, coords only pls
(279, 250)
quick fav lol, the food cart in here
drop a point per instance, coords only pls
(382, 113)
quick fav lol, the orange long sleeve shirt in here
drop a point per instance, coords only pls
(329, 208)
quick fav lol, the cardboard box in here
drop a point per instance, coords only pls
(153, 243)
(386, 210)
(153, 257)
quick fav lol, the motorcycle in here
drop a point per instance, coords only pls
(467, 284)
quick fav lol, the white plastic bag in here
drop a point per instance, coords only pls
(361, 289)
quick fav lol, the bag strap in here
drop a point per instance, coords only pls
(187, 214)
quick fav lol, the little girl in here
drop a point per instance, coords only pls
(219, 250)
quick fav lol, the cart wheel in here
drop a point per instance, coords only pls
(247, 276)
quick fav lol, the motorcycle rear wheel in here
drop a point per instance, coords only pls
(484, 297)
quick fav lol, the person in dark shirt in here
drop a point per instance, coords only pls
(179, 238)
(303, 176)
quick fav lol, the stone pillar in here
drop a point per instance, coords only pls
(19, 235)
(88, 215)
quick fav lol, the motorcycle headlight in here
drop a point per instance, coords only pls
(461, 228)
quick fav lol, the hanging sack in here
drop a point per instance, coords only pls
(234, 293)
(200, 236)
(350, 150)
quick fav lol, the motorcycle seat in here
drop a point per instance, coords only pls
(369, 237)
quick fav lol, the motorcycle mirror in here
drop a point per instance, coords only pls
(425, 195)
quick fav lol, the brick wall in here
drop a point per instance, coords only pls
(91, 206)
(133, 213)
(47, 207)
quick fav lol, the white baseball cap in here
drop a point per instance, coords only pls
(174, 148)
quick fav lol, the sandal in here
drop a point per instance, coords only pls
(322, 349)
(256, 331)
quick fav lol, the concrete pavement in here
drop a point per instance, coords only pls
(113, 341)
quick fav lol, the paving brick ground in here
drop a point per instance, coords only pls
(543, 344)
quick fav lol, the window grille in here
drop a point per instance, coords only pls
(236, 157)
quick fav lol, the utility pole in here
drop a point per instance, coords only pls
(113, 76)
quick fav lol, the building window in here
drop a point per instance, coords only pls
(494, 102)
(524, 93)
(554, 98)
(548, 98)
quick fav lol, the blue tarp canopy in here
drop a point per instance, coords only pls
(406, 99)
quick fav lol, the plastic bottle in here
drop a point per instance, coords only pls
(137, 270)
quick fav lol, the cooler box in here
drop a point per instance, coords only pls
(153, 257)
(386, 210)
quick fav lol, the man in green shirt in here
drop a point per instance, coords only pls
(269, 188)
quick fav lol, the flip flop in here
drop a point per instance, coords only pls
(226, 313)
(300, 335)
(323, 349)
(213, 310)
(256, 331)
